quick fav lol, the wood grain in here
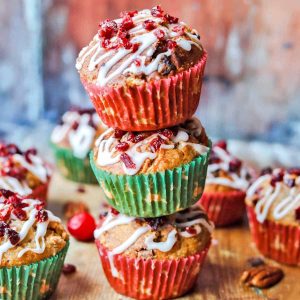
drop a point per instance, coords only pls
(219, 279)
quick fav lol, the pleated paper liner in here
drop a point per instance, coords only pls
(33, 282)
(73, 168)
(155, 194)
(274, 240)
(224, 208)
(152, 278)
(40, 192)
(150, 106)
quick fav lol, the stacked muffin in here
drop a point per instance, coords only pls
(143, 73)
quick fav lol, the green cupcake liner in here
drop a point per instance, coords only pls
(154, 194)
(73, 168)
(35, 281)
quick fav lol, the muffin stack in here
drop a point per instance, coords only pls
(143, 73)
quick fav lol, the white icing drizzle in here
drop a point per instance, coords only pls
(105, 60)
(236, 181)
(191, 217)
(41, 229)
(79, 139)
(277, 201)
(139, 152)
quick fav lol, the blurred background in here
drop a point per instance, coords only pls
(252, 84)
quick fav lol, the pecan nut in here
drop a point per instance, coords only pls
(262, 276)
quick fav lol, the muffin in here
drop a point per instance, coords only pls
(72, 141)
(33, 245)
(23, 172)
(226, 184)
(143, 71)
(273, 206)
(156, 258)
(150, 174)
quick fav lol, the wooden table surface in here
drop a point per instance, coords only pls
(219, 278)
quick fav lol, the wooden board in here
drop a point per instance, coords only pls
(219, 279)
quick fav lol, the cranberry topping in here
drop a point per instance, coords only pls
(157, 11)
(276, 178)
(156, 143)
(123, 146)
(107, 29)
(13, 236)
(297, 213)
(167, 133)
(179, 29)
(171, 44)
(221, 144)
(127, 23)
(139, 137)
(42, 216)
(81, 189)
(20, 214)
(75, 125)
(294, 171)
(29, 152)
(129, 13)
(119, 133)
(13, 149)
(213, 158)
(160, 34)
(149, 25)
(125, 158)
(5, 214)
(114, 211)
(135, 47)
(68, 269)
(170, 19)
(3, 227)
(234, 165)
(191, 230)
(137, 62)
(7, 193)
(265, 171)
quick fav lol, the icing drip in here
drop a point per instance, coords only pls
(275, 196)
(139, 152)
(161, 246)
(106, 59)
(78, 130)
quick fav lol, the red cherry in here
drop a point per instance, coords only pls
(221, 144)
(82, 226)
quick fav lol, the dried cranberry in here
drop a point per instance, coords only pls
(119, 133)
(125, 158)
(234, 165)
(276, 178)
(265, 171)
(129, 13)
(13, 236)
(221, 144)
(135, 47)
(123, 146)
(81, 189)
(159, 33)
(157, 11)
(156, 143)
(68, 269)
(13, 149)
(149, 25)
(20, 214)
(106, 44)
(294, 171)
(139, 137)
(107, 29)
(297, 213)
(130, 136)
(3, 227)
(114, 211)
(6, 193)
(42, 216)
(137, 62)
(28, 153)
(127, 23)
(171, 44)
(5, 213)
(167, 133)
(170, 19)
(82, 226)
(179, 29)
(191, 230)
(290, 182)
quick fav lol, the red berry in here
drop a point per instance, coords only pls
(297, 213)
(7, 193)
(127, 23)
(294, 171)
(265, 171)
(149, 25)
(278, 177)
(179, 29)
(119, 133)
(28, 153)
(135, 47)
(221, 144)
(13, 236)
(160, 34)
(114, 211)
(42, 216)
(171, 44)
(130, 136)
(156, 143)
(3, 227)
(125, 158)
(234, 165)
(13, 149)
(107, 29)
(129, 13)
(123, 146)
(139, 137)
(167, 133)
(82, 226)
(157, 11)
(5, 213)
(191, 230)
(20, 214)
(137, 62)
(68, 269)
(170, 19)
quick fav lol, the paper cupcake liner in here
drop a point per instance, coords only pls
(35, 281)
(151, 106)
(155, 194)
(40, 192)
(152, 278)
(274, 240)
(224, 208)
(73, 168)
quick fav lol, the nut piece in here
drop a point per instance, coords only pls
(262, 276)
(73, 208)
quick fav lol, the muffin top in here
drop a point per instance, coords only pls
(275, 195)
(77, 130)
(225, 172)
(21, 172)
(179, 235)
(131, 153)
(28, 232)
(139, 47)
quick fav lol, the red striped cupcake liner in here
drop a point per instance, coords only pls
(152, 278)
(274, 240)
(224, 208)
(154, 105)
(40, 192)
